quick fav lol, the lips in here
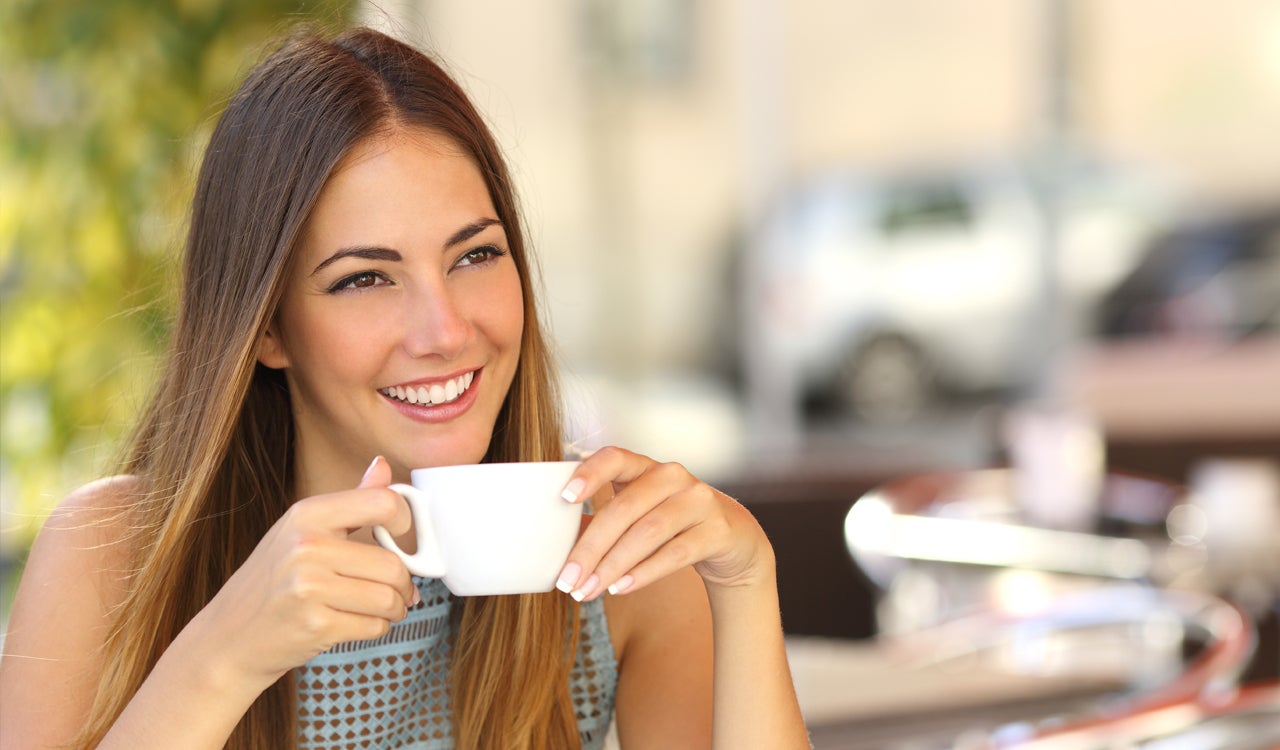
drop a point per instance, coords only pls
(434, 394)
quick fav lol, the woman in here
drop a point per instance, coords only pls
(356, 286)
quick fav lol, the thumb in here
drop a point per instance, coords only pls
(377, 475)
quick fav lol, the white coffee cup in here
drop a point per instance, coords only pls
(490, 528)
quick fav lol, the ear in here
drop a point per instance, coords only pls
(271, 352)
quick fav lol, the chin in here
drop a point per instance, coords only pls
(450, 455)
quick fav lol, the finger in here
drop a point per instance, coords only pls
(363, 597)
(316, 558)
(331, 626)
(352, 627)
(379, 475)
(610, 464)
(673, 556)
(639, 498)
(373, 564)
(664, 529)
(572, 571)
(341, 512)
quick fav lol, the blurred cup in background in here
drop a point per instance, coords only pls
(1240, 502)
(1058, 459)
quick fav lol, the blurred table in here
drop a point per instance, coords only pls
(858, 695)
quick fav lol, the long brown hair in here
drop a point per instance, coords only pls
(214, 450)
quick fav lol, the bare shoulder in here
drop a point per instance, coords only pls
(100, 500)
(91, 524)
(72, 580)
(85, 543)
(91, 528)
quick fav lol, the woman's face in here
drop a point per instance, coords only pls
(399, 330)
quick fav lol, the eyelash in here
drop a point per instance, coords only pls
(348, 283)
(490, 253)
(485, 253)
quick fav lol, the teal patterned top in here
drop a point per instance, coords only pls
(391, 692)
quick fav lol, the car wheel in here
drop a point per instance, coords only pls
(886, 381)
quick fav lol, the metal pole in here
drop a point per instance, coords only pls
(1047, 337)
(772, 400)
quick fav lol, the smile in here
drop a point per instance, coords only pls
(430, 395)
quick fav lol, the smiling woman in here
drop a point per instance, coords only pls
(356, 286)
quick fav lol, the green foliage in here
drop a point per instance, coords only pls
(104, 109)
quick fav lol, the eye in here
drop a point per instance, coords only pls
(480, 256)
(357, 281)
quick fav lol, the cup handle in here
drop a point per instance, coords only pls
(427, 561)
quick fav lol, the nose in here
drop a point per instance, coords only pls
(435, 325)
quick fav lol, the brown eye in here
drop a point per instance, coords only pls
(481, 255)
(358, 281)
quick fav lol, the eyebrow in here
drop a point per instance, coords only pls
(368, 253)
(387, 254)
(471, 230)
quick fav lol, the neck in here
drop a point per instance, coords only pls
(320, 475)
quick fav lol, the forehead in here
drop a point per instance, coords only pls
(408, 141)
(409, 180)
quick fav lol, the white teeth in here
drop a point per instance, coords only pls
(433, 395)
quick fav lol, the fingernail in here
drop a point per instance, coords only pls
(369, 470)
(417, 597)
(622, 584)
(587, 589)
(573, 489)
(568, 577)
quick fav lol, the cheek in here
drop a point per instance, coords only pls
(508, 317)
(326, 343)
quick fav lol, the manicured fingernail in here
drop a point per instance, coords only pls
(573, 490)
(369, 470)
(587, 589)
(568, 577)
(622, 584)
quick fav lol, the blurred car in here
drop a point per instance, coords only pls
(1216, 276)
(879, 294)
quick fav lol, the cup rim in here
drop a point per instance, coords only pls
(501, 465)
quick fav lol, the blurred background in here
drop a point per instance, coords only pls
(830, 255)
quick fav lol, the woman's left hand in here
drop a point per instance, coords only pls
(660, 519)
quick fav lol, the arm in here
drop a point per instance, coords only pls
(755, 697)
(72, 581)
(305, 587)
(662, 521)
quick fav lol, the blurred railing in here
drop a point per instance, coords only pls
(964, 578)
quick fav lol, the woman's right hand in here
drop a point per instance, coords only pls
(307, 586)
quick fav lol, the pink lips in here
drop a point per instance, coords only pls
(442, 402)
